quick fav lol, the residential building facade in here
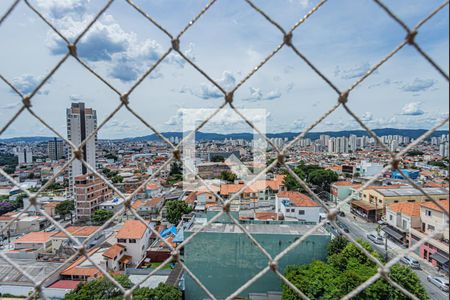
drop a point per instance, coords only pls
(90, 193)
(81, 122)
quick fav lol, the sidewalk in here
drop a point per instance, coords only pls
(427, 267)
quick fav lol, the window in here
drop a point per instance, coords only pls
(430, 227)
(391, 217)
(121, 240)
(132, 241)
(301, 212)
(428, 213)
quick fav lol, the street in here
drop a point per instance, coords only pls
(360, 229)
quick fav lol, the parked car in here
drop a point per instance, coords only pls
(343, 227)
(411, 262)
(375, 238)
(382, 222)
(440, 282)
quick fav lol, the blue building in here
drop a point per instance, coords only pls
(413, 174)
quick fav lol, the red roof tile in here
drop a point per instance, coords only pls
(298, 199)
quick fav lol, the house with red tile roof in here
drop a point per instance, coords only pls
(115, 258)
(433, 218)
(81, 233)
(401, 217)
(135, 237)
(260, 193)
(35, 241)
(149, 207)
(82, 269)
(297, 206)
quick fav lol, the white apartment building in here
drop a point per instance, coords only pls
(132, 241)
(24, 155)
(298, 206)
(368, 169)
(81, 122)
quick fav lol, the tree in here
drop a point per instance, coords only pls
(65, 208)
(111, 156)
(164, 292)
(346, 268)
(323, 178)
(336, 245)
(175, 169)
(8, 162)
(291, 183)
(6, 206)
(175, 210)
(217, 159)
(100, 216)
(19, 200)
(176, 173)
(117, 179)
(102, 288)
(228, 176)
(414, 153)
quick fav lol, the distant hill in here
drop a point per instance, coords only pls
(204, 136)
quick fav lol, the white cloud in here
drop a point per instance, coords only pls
(209, 91)
(26, 84)
(257, 95)
(412, 109)
(126, 56)
(60, 8)
(352, 72)
(368, 116)
(419, 85)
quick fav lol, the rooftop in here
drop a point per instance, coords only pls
(35, 237)
(298, 199)
(82, 231)
(407, 208)
(65, 284)
(275, 228)
(404, 192)
(433, 206)
(113, 251)
(132, 229)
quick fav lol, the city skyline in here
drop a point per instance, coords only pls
(414, 92)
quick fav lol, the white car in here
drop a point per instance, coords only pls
(440, 282)
(375, 238)
(411, 262)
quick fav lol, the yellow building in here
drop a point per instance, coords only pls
(372, 205)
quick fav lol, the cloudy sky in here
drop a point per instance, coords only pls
(343, 39)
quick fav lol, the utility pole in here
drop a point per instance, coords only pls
(386, 257)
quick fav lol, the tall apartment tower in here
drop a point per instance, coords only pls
(24, 155)
(81, 122)
(55, 149)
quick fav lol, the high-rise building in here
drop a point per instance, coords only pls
(443, 149)
(81, 122)
(55, 149)
(353, 142)
(342, 145)
(90, 192)
(331, 145)
(394, 145)
(24, 155)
